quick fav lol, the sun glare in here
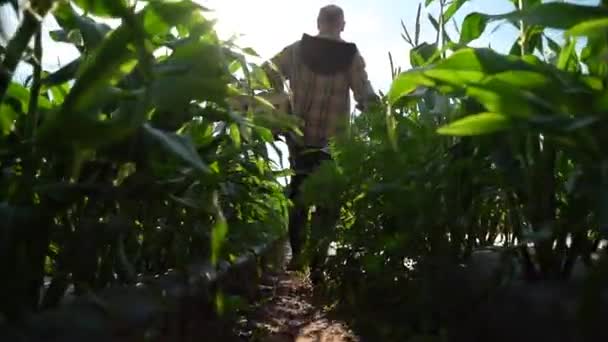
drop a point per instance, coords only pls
(266, 25)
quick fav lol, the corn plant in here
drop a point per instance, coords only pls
(473, 149)
(128, 161)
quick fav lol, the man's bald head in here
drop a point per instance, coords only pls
(331, 19)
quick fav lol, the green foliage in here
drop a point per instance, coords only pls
(103, 8)
(556, 15)
(130, 161)
(471, 148)
(483, 123)
(139, 157)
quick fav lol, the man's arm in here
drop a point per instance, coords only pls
(360, 84)
(279, 68)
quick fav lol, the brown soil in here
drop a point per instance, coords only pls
(288, 313)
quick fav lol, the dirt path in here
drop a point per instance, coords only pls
(287, 313)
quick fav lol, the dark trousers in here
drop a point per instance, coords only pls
(305, 161)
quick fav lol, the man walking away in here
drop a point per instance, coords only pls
(321, 71)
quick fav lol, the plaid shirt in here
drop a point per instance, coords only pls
(322, 101)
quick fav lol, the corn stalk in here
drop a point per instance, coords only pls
(33, 14)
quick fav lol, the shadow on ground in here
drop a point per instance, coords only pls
(289, 311)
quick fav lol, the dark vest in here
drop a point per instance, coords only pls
(326, 56)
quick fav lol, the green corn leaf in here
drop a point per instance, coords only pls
(567, 55)
(109, 64)
(178, 145)
(103, 8)
(424, 54)
(478, 124)
(219, 232)
(466, 66)
(92, 32)
(7, 119)
(65, 74)
(434, 22)
(251, 52)
(218, 237)
(556, 15)
(473, 27)
(417, 26)
(452, 9)
(235, 134)
(589, 28)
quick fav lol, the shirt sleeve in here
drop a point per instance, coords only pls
(279, 67)
(359, 82)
